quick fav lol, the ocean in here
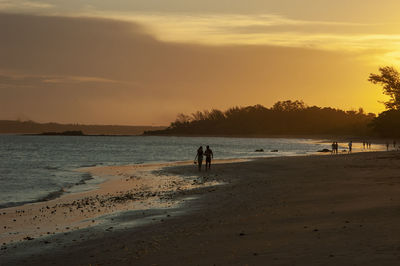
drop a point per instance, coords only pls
(36, 168)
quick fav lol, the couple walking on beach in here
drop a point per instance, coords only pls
(199, 156)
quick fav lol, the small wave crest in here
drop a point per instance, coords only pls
(53, 195)
(49, 196)
(51, 168)
(14, 204)
(88, 165)
(85, 177)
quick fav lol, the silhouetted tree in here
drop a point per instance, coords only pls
(389, 78)
(387, 124)
(288, 106)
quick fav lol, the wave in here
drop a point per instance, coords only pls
(51, 168)
(14, 204)
(51, 195)
(88, 165)
(85, 177)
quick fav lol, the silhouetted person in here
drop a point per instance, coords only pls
(350, 146)
(336, 147)
(199, 157)
(209, 155)
(364, 145)
(387, 145)
(333, 147)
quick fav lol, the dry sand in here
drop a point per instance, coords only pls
(315, 210)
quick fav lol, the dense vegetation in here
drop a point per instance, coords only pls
(284, 118)
(387, 124)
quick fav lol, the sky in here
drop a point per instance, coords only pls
(141, 62)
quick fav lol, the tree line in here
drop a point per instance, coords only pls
(283, 118)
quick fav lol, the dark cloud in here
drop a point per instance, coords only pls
(107, 71)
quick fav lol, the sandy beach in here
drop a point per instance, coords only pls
(311, 210)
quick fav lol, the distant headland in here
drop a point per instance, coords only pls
(64, 133)
(31, 127)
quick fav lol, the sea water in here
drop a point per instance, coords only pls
(35, 168)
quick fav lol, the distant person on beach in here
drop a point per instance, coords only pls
(336, 147)
(333, 147)
(387, 145)
(350, 146)
(199, 157)
(364, 144)
(209, 155)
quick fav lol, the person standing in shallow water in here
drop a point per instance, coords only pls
(199, 157)
(209, 155)
(350, 146)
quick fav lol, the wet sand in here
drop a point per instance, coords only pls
(313, 210)
(126, 188)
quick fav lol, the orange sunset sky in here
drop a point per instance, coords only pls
(139, 62)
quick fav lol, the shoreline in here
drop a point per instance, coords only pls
(124, 188)
(103, 178)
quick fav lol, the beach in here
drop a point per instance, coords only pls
(304, 210)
